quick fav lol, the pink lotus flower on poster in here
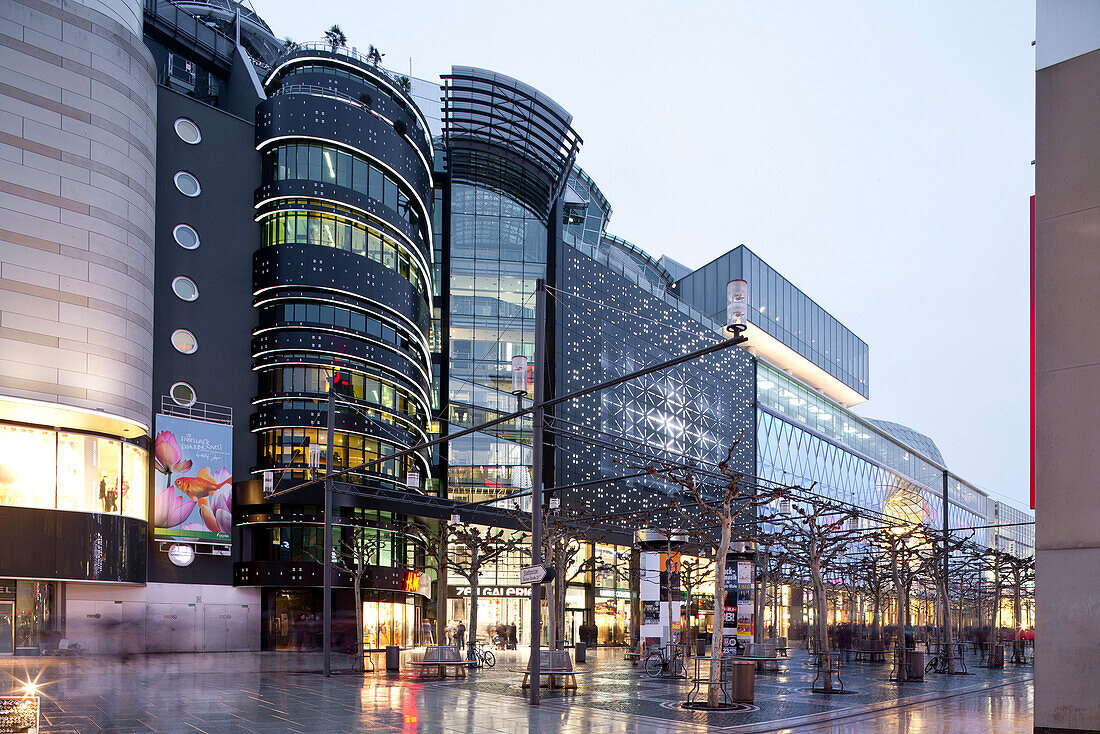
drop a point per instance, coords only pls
(218, 516)
(170, 509)
(167, 455)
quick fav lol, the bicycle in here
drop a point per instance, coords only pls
(659, 662)
(479, 657)
(937, 663)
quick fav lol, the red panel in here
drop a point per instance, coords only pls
(1032, 356)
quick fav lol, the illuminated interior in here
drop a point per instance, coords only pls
(767, 347)
(388, 623)
(64, 470)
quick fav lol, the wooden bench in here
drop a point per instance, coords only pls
(556, 667)
(764, 654)
(437, 660)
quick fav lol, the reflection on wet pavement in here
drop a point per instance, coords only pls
(255, 693)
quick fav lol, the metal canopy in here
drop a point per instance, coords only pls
(506, 135)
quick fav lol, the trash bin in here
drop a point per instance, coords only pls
(744, 681)
(916, 665)
(700, 647)
(580, 653)
(393, 659)
(997, 656)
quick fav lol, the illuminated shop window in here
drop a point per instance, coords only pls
(72, 471)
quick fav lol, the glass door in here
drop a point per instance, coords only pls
(7, 628)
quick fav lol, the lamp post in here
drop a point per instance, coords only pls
(536, 484)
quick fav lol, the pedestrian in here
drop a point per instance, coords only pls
(426, 633)
(460, 634)
(512, 641)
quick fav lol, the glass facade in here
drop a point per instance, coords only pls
(328, 164)
(498, 251)
(783, 311)
(351, 235)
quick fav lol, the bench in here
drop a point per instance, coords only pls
(764, 654)
(632, 656)
(437, 660)
(556, 667)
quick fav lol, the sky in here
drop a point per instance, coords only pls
(877, 154)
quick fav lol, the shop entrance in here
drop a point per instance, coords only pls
(7, 628)
(390, 623)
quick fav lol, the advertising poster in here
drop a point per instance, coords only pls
(745, 606)
(729, 615)
(193, 485)
(651, 612)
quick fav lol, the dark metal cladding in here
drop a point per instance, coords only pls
(345, 211)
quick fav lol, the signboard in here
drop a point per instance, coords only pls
(194, 481)
(651, 612)
(745, 606)
(729, 611)
(19, 714)
(519, 592)
(535, 574)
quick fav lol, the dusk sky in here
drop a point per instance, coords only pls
(877, 154)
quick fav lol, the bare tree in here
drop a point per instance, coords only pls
(1014, 574)
(934, 552)
(354, 554)
(718, 504)
(694, 573)
(466, 549)
(817, 530)
(870, 572)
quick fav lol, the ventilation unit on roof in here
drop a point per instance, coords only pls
(181, 72)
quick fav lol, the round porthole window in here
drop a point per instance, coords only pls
(185, 288)
(184, 341)
(187, 184)
(185, 236)
(182, 394)
(188, 131)
(181, 554)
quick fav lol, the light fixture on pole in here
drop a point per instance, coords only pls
(737, 306)
(519, 375)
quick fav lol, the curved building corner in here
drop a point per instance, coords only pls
(77, 200)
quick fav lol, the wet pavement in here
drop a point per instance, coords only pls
(279, 692)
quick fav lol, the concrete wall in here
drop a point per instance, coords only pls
(1067, 383)
(77, 167)
(162, 618)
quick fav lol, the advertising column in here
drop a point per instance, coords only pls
(650, 593)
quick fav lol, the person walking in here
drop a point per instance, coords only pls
(460, 634)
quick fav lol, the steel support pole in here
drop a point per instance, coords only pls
(946, 558)
(536, 485)
(326, 564)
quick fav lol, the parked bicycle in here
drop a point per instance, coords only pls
(664, 662)
(479, 657)
(937, 663)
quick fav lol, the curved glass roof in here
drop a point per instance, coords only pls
(653, 271)
(507, 135)
(918, 441)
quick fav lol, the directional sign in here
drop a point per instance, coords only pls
(536, 575)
